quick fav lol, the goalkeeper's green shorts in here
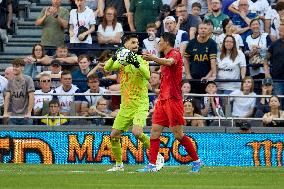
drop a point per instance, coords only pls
(127, 118)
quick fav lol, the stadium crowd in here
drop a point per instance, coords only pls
(226, 45)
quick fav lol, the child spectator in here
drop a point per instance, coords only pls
(54, 110)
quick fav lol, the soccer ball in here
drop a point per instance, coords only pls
(122, 55)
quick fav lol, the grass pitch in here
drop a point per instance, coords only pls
(94, 176)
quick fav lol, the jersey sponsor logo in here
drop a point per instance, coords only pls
(200, 57)
(17, 94)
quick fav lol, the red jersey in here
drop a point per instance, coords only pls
(171, 77)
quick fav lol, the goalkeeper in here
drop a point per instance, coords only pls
(134, 105)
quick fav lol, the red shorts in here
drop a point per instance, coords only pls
(168, 113)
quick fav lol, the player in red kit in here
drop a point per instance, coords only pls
(169, 108)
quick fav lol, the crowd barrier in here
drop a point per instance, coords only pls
(220, 146)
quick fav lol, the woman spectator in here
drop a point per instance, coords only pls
(244, 106)
(110, 31)
(256, 46)
(275, 112)
(82, 23)
(191, 110)
(231, 64)
(38, 56)
(229, 29)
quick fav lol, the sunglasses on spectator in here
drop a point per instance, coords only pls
(187, 100)
(45, 81)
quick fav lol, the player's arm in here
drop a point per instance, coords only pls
(112, 65)
(161, 61)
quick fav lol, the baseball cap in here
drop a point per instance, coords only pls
(165, 8)
(210, 82)
(170, 18)
(267, 81)
(55, 63)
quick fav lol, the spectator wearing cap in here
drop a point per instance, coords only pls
(262, 104)
(211, 106)
(186, 22)
(181, 36)
(54, 72)
(42, 96)
(143, 12)
(19, 96)
(80, 74)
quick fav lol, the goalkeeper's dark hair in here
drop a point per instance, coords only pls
(127, 37)
(169, 37)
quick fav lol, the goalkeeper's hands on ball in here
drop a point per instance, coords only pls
(132, 59)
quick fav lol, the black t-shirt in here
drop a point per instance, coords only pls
(200, 55)
(277, 59)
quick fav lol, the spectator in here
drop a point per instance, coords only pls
(181, 36)
(54, 110)
(38, 56)
(244, 107)
(256, 47)
(203, 3)
(9, 74)
(54, 20)
(54, 72)
(82, 17)
(276, 56)
(122, 6)
(186, 22)
(107, 79)
(231, 65)
(41, 98)
(191, 110)
(229, 29)
(3, 85)
(150, 44)
(160, 21)
(110, 31)
(19, 96)
(67, 88)
(200, 61)
(276, 20)
(102, 110)
(186, 87)
(216, 16)
(6, 15)
(97, 6)
(65, 57)
(262, 104)
(154, 87)
(210, 30)
(81, 73)
(243, 18)
(91, 101)
(211, 106)
(196, 9)
(142, 13)
(275, 112)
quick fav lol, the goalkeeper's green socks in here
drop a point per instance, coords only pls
(116, 149)
(145, 140)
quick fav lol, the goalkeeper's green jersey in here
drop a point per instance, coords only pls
(133, 84)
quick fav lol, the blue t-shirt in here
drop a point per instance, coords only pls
(237, 20)
(80, 80)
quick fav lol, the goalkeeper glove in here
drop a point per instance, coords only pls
(132, 59)
(114, 57)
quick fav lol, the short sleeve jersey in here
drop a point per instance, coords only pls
(200, 55)
(171, 77)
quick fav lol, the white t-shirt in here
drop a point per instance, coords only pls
(260, 7)
(168, 2)
(86, 19)
(151, 46)
(93, 100)
(220, 39)
(275, 23)
(260, 41)
(109, 32)
(3, 85)
(66, 101)
(229, 69)
(181, 38)
(242, 106)
(39, 98)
